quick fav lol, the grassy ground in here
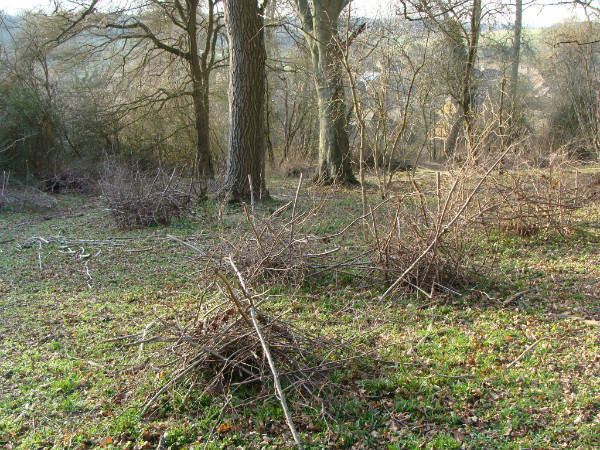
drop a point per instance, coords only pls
(482, 369)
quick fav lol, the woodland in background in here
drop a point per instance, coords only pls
(147, 86)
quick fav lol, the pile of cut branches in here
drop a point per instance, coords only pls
(422, 250)
(435, 245)
(68, 181)
(234, 350)
(526, 202)
(222, 351)
(279, 247)
(143, 198)
(14, 195)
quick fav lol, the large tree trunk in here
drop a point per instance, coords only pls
(246, 147)
(457, 80)
(334, 143)
(464, 53)
(320, 28)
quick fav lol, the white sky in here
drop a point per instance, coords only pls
(533, 16)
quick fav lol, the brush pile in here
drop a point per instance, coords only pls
(279, 247)
(138, 198)
(220, 353)
(526, 202)
(430, 244)
(15, 196)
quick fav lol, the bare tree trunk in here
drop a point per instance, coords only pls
(203, 161)
(334, 143)
(268, 141)
(247, 56)
(452, 138)
(516, 59)
(464, 49)
(459, 86)
(319, 24)
(469, 88)
(516, 50)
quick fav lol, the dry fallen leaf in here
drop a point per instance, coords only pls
(224, 428)
(104, 442)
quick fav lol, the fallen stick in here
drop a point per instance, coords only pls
(39, 254)
(265, 346)
(594, 323)
(515, 297)
(139, 250)
(280, 394)
(524, 352)
(187, 244)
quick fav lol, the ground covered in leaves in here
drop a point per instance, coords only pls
(511, 361)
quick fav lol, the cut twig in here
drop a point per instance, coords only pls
(280, 394)
(234, 298)
(524, 352)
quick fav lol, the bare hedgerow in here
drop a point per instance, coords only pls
(145, 198)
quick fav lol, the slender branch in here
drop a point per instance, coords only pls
(280, 394)
(64, 35)
(150, 35)
(524, 352)
(576, 41)
(234, 298)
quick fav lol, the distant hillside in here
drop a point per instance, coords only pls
(8, 24)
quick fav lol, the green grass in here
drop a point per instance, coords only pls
(446, 381)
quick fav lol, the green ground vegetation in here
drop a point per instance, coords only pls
(511, 361)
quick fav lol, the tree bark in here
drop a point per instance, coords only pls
(319, 24)
(452, 138)
(247, 56)
(457, 79)
(464, 46)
